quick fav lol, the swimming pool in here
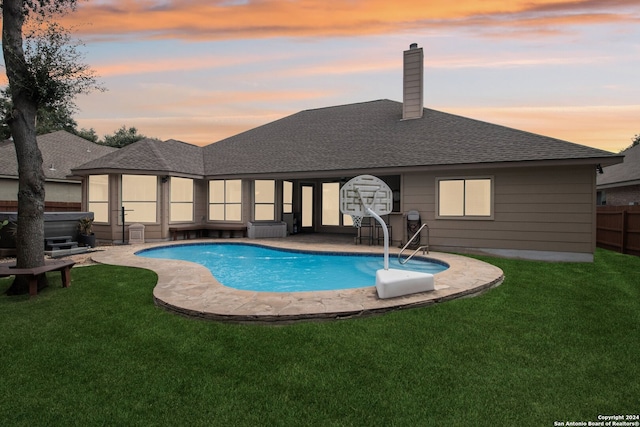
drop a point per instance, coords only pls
(263, 269)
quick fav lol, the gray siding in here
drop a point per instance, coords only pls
(535, 209)
(201, 201)
(8, 189)
(54, 191)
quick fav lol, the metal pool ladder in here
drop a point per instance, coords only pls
(422, 248)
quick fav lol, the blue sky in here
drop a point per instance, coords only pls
(200, 70)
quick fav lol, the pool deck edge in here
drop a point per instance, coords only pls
(190, 290)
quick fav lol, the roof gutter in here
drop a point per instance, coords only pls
(618, 184)
(394, 170)
(81, 173)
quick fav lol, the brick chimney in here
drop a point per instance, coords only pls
(413, 85)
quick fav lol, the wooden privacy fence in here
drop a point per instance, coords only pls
(618, 229)
(12, 206)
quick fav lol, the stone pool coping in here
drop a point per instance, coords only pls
(190, 289)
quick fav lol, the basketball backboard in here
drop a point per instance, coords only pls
(366, 191)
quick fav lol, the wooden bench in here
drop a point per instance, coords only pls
(186, 231)
(200, 228)
(63, 266)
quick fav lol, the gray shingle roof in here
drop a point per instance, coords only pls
(60, 150)
(373, 135)
(153, 156)
(626, 173)
(367, 135)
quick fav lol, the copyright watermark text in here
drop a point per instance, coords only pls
(628, 420)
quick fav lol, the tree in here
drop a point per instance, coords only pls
(51, 119)
(6, 106)
(44, 70)
(88, 134)
(634, 141)
(48, 119)
(122, 137)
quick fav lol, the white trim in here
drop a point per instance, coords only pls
(489, 217)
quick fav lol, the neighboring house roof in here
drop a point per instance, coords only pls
(365, 136)
(622, 174)
(372, 135)
(151, 156)
(61, 151)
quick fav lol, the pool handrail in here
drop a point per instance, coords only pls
(422, 248)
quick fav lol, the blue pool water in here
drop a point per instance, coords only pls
(258, 268)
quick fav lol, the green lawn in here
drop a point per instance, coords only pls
(555, 342)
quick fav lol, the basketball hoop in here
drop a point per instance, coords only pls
(364, 192)
(357, 220)
(368, 196)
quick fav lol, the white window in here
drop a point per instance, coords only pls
(99, 197)
(287, 197)
(181, 196)
(140, 198)
(331, 214)
(264, 200)
(465, 197)
(225, 200)
(307, 206)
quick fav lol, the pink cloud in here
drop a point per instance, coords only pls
(608, 127)
(206, 20)
(175, 64)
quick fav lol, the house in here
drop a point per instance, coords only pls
(480, 187)
(619, 184)
(61, 151)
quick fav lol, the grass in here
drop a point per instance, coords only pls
(554, 342)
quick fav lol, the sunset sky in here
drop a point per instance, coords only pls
(202, 70)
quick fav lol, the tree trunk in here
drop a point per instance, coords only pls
(30, 233)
